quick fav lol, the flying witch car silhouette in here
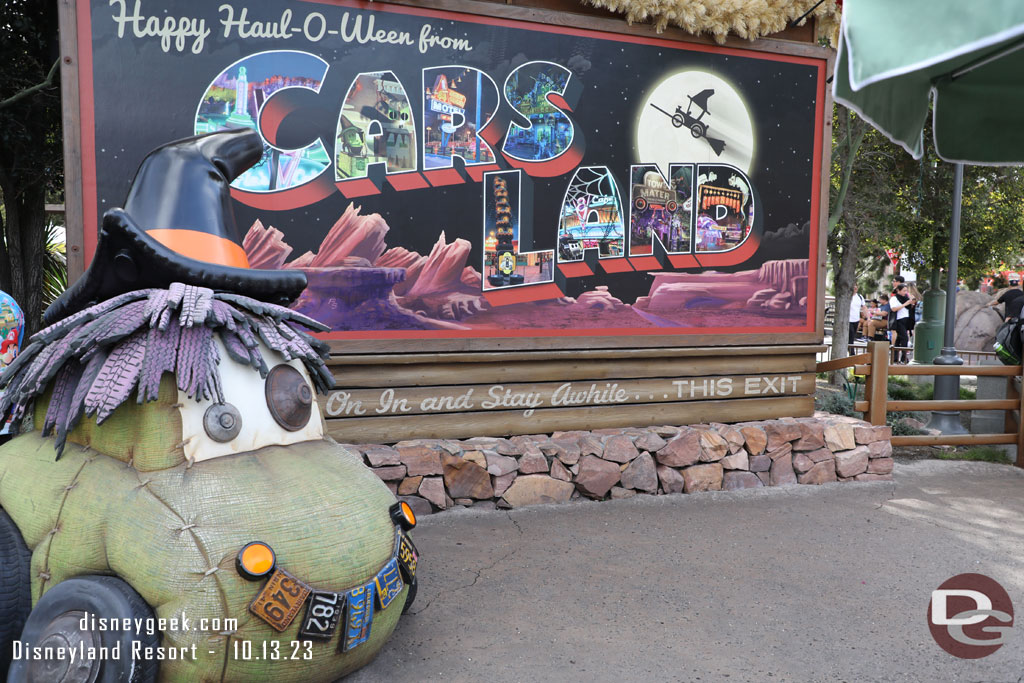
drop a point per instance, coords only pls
(205, 493)
(698, 127)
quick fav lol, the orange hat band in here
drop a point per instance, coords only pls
(201, 246)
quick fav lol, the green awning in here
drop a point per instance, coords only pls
(893, 54)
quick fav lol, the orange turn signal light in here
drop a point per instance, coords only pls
(402, 515)
(255, 561)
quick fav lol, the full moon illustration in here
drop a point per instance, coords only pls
(665, 135)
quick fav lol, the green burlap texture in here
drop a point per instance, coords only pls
(174, 534)
(148, 436)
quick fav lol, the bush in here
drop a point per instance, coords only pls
(835, 402)
(909, 391)
(900, 426)
(899, 392)
(901, 389)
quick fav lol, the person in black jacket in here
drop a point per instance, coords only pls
(899, 304)
(1014, 300)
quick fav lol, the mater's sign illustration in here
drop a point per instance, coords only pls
(443, 175)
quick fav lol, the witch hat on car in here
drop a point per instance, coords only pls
(177, 225)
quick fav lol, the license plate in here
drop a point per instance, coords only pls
(280, 600)
(322, 615)
(358, 616)
(407, 558)
(388, 583)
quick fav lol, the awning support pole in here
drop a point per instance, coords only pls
(947, 387)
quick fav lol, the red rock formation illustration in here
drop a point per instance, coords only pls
(353, 235)
(777, 286)
(266, 247)
(400, 257)
(599, 298)
(355, 277)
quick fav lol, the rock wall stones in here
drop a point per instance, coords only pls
(437, 474)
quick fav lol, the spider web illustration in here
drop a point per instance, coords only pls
(591, 182)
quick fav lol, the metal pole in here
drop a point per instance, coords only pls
(948, 387)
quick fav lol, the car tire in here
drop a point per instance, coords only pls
(55, 621)
(15, 589)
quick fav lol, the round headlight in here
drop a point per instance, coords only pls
(402, 515)
(255, 561)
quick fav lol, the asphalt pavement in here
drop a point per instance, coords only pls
(799, 583)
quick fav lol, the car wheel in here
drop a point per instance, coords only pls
(15, 590)
(56, 622)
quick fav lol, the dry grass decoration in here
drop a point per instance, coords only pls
(750, 19)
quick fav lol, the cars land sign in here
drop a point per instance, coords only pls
(652, 187)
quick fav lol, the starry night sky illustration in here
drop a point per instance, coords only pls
(145, 97)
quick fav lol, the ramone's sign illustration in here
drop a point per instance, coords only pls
(443, 175)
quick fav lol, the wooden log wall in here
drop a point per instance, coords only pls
(384, 398)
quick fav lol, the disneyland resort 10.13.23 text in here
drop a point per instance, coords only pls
(244, 650)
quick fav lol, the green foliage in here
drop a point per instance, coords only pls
(901, 389)
(880, 197)
(977, 453)
(31, 150)
(55, 267)
(900, 392)
(900, 426)
(896, 202)
(835, 402)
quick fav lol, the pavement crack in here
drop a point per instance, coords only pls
(520, 529)
(478, 573)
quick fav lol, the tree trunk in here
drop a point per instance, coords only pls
(844, 278)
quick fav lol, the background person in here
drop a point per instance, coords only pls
(1014, 300)
(899, 304)
(858, 312)
(877, 320)
(912, 309)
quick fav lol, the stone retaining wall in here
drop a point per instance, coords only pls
(436, 474)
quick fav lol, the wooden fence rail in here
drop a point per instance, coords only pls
(875, 366)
